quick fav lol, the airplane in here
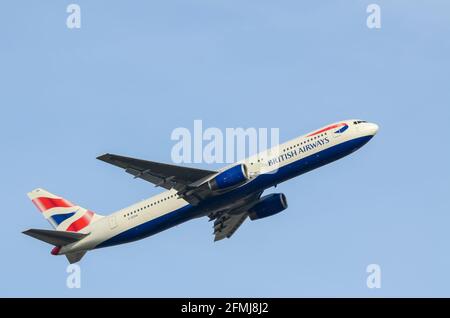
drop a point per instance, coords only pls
(228, 196)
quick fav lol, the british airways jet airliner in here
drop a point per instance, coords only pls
(228, 196)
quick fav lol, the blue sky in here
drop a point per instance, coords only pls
(134, 72)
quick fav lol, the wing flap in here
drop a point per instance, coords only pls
(226, 222)
(226, 228)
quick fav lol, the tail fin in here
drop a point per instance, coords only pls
(62, 214)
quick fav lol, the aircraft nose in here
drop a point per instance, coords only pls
(372, 128)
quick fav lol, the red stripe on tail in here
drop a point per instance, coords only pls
(81, 223)
(44, 204)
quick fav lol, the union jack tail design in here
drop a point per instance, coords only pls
(62, 214)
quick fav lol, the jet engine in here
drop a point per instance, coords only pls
(268, 205)
(231, 177)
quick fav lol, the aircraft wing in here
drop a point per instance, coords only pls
(228, 221)
(160, 174)
(225, 228)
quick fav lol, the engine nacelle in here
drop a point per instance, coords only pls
(269, 205)
(229, 178)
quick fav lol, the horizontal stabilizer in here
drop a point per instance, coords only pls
(57, 238)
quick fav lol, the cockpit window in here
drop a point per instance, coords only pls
(359, 122)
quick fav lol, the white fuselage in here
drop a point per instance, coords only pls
(277, 164)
